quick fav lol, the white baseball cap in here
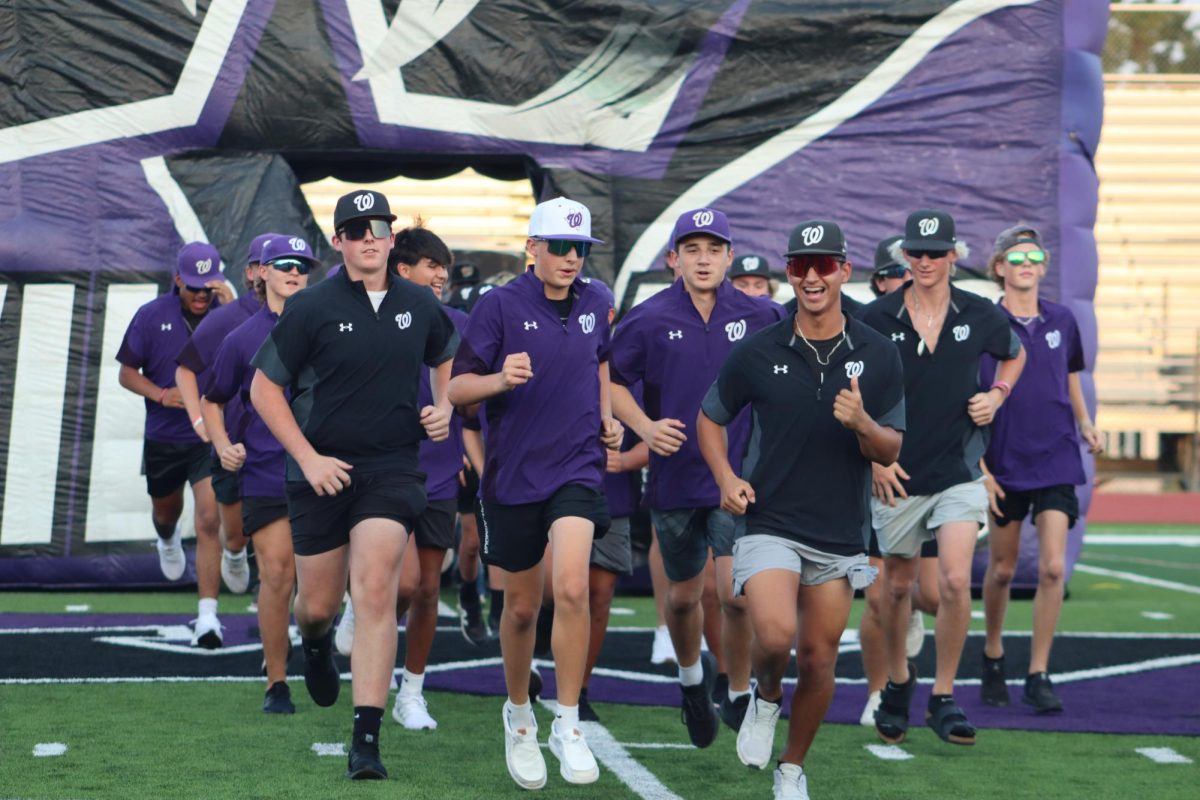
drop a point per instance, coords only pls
(561, 218)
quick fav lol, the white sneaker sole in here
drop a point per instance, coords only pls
(523, 782)
(419, 724)
(568, 774)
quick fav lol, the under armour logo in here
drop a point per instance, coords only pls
(1054, 339)
(166, 326)
(587, 322)
(961, 332)
(929, 226)
(530, 326)
(735, 330)
(780, 368)
(898, 337)
(575, 219)
(346, 326)
(812, 235)
(202, 267)
(854, 369)
(404, 320)
(702, 219)
(674, 334)
(364, 201)
(750, 263)
(298, 244)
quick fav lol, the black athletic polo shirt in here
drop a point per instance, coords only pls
(943, 446)
(355, 372)
(811, 482)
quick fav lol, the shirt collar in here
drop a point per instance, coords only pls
(786, 332)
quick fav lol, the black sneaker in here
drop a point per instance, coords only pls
(321, 676)
(734, 711)
(545, 627)
(697, 706)
(1040, 694)
(535, 684)
(992, 688)
(470, 615)
(363, 763)
(586, 712)
(720, 689)
(279, 699)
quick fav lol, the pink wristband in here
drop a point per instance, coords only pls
(1003, 386)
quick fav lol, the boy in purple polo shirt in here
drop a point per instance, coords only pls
(173, 454)
(1033, 461)
(675, 343)
(536, 349)
(194, 360)
(255, 458)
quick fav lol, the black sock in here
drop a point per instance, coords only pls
(318, 644)
(937, 699)
(165, 531)
(366, 724)
(468, 595)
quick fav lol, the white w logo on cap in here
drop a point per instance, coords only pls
(812, 235)
(750, 263)
(202, 267)
(364, 201)
(297, 243)
(702, 219)
(929, 226)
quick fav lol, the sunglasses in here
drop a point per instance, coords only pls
(798, 266)
(199, 289)
(1019, 258)
(356, 229)
(894, 271)
(562, 247)
(289, 264)
(917, 255)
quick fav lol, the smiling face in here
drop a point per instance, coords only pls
(702, 261)
(426, 272)
(818, 294)
(1023, 276)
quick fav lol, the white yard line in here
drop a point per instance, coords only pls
(329, 748)
(1179, 539)
(49, 749)
(1133, 577)
(888, 752)
(1163, 755)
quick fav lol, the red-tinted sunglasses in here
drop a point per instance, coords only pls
(798, 266)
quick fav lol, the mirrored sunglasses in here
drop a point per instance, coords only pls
(289, 264)
(798, 266)
(894, 271)
(561, 247)
(356, 229)
(1018, 258)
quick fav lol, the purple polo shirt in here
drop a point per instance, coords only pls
(442, 461)
(201, 349)
(1035, 442)
(666, 344)
(545, 433)
(156, 334)
(227, 381)
(623, 488)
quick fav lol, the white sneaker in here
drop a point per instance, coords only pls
(576, 762)
(171, 558)
(235, 570)
(790, 782)
(412, 712)
(522, 753)
(343, 640)
(756, 737)
(914, 640)
(663, 651)
(207, 632)
(867, 719)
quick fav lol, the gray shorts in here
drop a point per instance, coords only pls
(915, 519)
(613, 552)
(760, 551)
(686, 534)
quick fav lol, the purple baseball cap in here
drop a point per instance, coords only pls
(706, 221)
(284, 246)
(198, 263)
(256, 246)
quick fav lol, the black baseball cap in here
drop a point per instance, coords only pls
(750, 265)
(929, 229)
(464, 273)
(883, 254)
(361, 203)
(817, 237)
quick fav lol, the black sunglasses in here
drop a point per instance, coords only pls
(933, 254)
(561, 247)
(289, 264)
(894, 271)
(356, 229)
(199, 289)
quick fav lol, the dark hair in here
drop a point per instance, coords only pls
(417, 242)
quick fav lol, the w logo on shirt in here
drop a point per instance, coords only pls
(854, 369)
(587, 322)
(735, 330)
(1054, 339)
(404, 320)
(961, 332)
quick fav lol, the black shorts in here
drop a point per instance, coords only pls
(435, 528)
(169, 465)
(259, 512)
(514, 537)
(321, 524)
(1016, 504)
(929, 548)
(467, 495)
(227, 486)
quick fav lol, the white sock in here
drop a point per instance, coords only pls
(236, 553)
(693, 675)
(520, 716)
(411, 682)
(663, 630)
(208, 606)
(567, 717)
(736, 695)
